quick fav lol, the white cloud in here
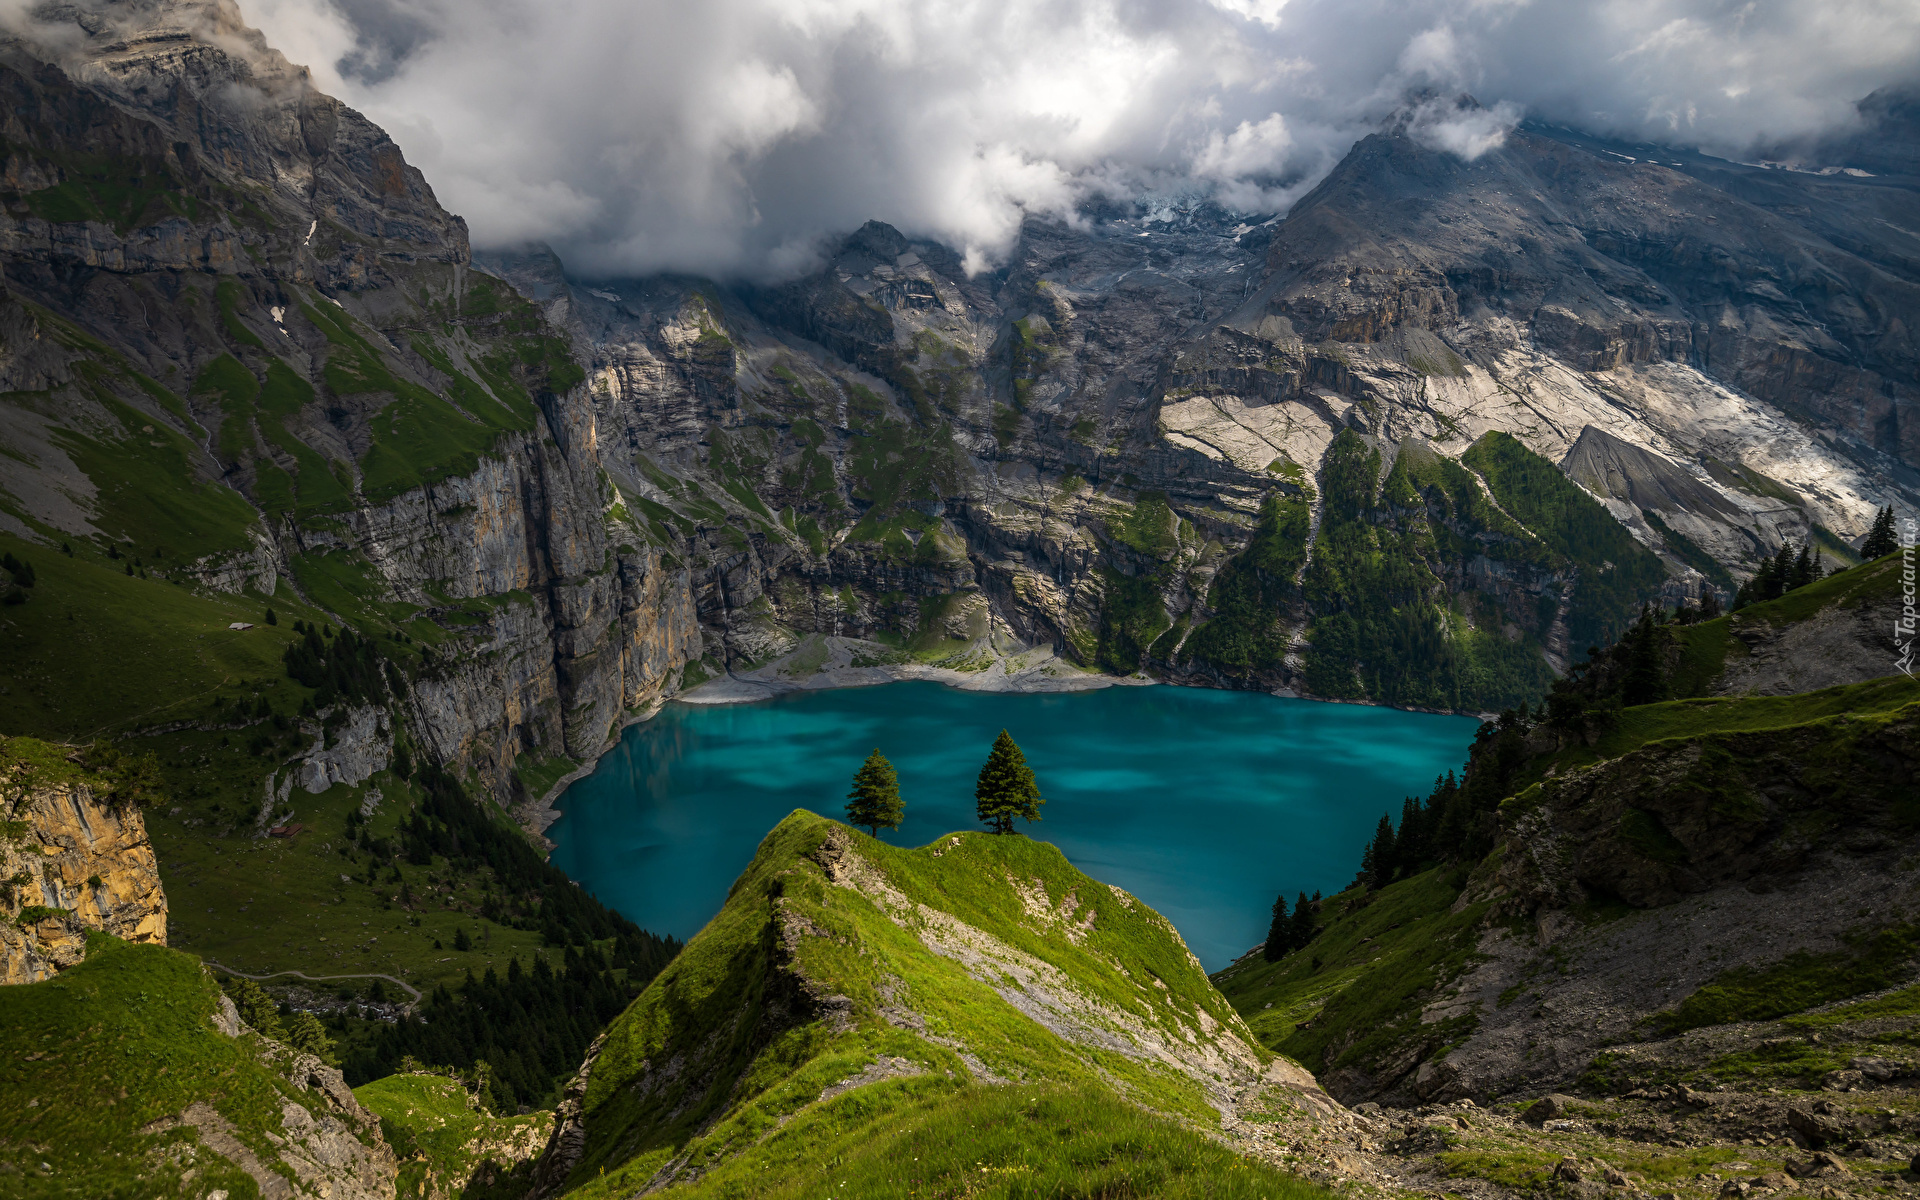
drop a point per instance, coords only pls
(1463, 129)
(1249, 150)
(734, 135)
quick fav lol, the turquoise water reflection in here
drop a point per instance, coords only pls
(1203, 803)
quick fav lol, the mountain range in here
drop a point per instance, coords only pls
(335, 549)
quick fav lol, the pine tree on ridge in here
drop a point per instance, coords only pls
(875, 799)
(1007, 789)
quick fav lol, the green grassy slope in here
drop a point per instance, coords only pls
(917, 1138)
(1617, 573)
(736, 1064)
(1359, 985)
(1675, 719)
(1379, 955)
(315, 902)
(110, 1046)
(447, 1146)
(1818, 761)
(96, 653)
(1706, 647)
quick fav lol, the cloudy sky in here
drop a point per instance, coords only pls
(730, 136)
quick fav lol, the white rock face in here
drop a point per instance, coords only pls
(351, 754)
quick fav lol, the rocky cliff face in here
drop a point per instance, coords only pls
(241, 332)
(72, 863)
(1089, 442)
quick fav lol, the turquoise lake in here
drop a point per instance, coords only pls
(1204, 803)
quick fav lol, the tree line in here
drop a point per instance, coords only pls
(451, 824)
(518, 1036)
(340, 667)
(515, 1039)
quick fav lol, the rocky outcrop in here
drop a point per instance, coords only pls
(323, 1143)
(567, 1144)
(1841, 644)
(1766, 863)
(72, 865)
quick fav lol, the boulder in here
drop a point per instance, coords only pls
(1819, 1128)
(1437, 1082)
(1548, 1108)
(1819, 1166)
(1880, 1070)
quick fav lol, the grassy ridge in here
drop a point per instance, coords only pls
(1360, 984)
(925, 1137)
(799, 985)
(1682, 719)
(119, 1041)
(1352, 997)
(1706, 647)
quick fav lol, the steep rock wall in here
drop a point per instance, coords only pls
(73, 865)
(361, 417)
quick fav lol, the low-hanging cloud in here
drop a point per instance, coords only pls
(732, 136)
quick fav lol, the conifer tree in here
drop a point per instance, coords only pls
(1007, 789)
(1302, 923)
(1280, 933)
(305, 1033)
(1377, 863)
(1881, 539)
(875, 798)
(1806, 566)
(256, 1008)
(1410, 850)
(1646, 677)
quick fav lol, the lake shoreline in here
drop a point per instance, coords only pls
(1031, 672)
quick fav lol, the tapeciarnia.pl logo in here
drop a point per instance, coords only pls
(1903, 628)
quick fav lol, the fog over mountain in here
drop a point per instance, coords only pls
(726, 137)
